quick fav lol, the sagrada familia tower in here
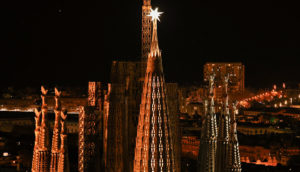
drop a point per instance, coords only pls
(219, 146)
(54, 159)
(127, 87)
(154, 147)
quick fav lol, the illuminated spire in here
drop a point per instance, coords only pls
(224, 131)
(41, 154)
(154, 50)
(154, 146)
(36, 140)
(63, 161)
(234, 164)
(56, 130)
(208, 147)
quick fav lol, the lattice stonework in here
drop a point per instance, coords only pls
(146, 29)
(92, 94)
(87, 132)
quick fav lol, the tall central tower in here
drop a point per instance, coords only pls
(154, 147)
(146, 29)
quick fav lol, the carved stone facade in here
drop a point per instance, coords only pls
(91, 128)
(124, 100)
(87, 139)
(173, 105)
(106, 106)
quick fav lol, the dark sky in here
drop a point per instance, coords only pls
(73, 41)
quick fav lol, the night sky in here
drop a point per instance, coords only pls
(74, 41)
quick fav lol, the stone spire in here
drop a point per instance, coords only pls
(208, 143)
(56, 130)
(224, 130)
(42, 162)
(63, 161)
(36, 140)
(234, 161)
(154, 147)
(146, 29)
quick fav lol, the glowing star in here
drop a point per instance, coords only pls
(155, 14)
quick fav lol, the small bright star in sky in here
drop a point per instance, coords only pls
(155, 14)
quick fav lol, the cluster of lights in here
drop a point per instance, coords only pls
(268, 95)
(286, 102)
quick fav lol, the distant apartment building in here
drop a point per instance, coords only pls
(236, 71)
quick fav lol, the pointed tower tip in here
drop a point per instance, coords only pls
(154, 50)
(57, 93)
(147, 2)
(43, 90)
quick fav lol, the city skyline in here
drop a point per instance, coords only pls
(123, 88)
(83, 39)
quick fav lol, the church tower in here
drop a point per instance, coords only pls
(209, 134)
(234, 161)
(41, 148)
(224, 130)
(56, 131)
(46, 158)
(154, 147)
(146, 29)
(63, 160)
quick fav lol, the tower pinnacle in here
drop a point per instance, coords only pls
(154, 50)
(146, 29)
(147, 2)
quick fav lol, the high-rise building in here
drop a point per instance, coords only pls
(154, 144)
(236, 72)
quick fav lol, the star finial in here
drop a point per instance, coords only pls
(155, 14)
